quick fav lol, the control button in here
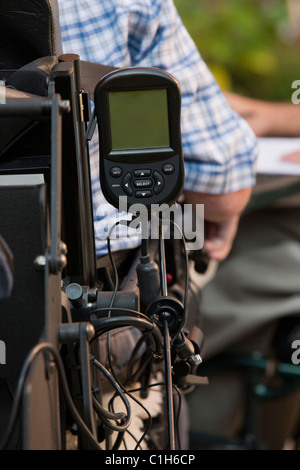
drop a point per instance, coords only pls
(126, 184)
(143, 194)
(141, 173)
(168, 169)
(116, 172)
(141, 184)
(159, 182)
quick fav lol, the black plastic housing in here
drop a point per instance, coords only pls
(164, 187)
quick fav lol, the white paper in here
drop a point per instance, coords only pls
(270, 152)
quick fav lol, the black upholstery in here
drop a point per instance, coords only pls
(29, 30)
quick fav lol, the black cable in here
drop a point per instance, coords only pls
(107, 324)
(125, 320)
(138, 389)
(43, 347)
(98, 324)
(138, 442)
(132, 312)
(169, 394)
(130, 378)
(99, 410)
(145, 387)
(106, 413)
(150, 422)
(121, 427)
(144, 247)
(142, 339)
(186, 264)
(118, 441)
(139, 403)
(178, 415)
(132, 397)
(186, 261)
(184, 309)
(117, 324)
(145, 359)
(162, 270)
(116, 286)
(186, 287)
(162, 260)
(117, 312)
(11, 396)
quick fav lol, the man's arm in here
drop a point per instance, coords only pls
(267, 118)
(220, 207)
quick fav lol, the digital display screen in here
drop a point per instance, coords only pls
(139, 119)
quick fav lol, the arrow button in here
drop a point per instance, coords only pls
(159, 182)
(126, 184)
(142, 173)
(143, 194)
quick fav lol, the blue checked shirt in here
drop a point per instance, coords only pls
(218, 146)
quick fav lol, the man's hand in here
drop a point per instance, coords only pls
(222, 213)
(293, 157)
(220, 237)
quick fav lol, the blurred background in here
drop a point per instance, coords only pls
(251, 46)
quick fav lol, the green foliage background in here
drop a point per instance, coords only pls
(248, 44)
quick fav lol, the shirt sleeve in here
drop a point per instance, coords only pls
(219, 148)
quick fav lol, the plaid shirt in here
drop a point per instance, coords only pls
(218, 146)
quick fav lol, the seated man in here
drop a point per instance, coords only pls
(219, 147)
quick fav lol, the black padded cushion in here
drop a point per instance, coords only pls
(32, 78)
(27, 81)
(29, 30)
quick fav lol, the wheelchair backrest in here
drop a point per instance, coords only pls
(29, 30)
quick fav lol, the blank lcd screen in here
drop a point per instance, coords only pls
(139, 119)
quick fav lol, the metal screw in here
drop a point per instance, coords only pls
(92, 294)
(39, 262)
(90, 331)
(63, 248)
(62, 261)
(196, 359)
(65, 106)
